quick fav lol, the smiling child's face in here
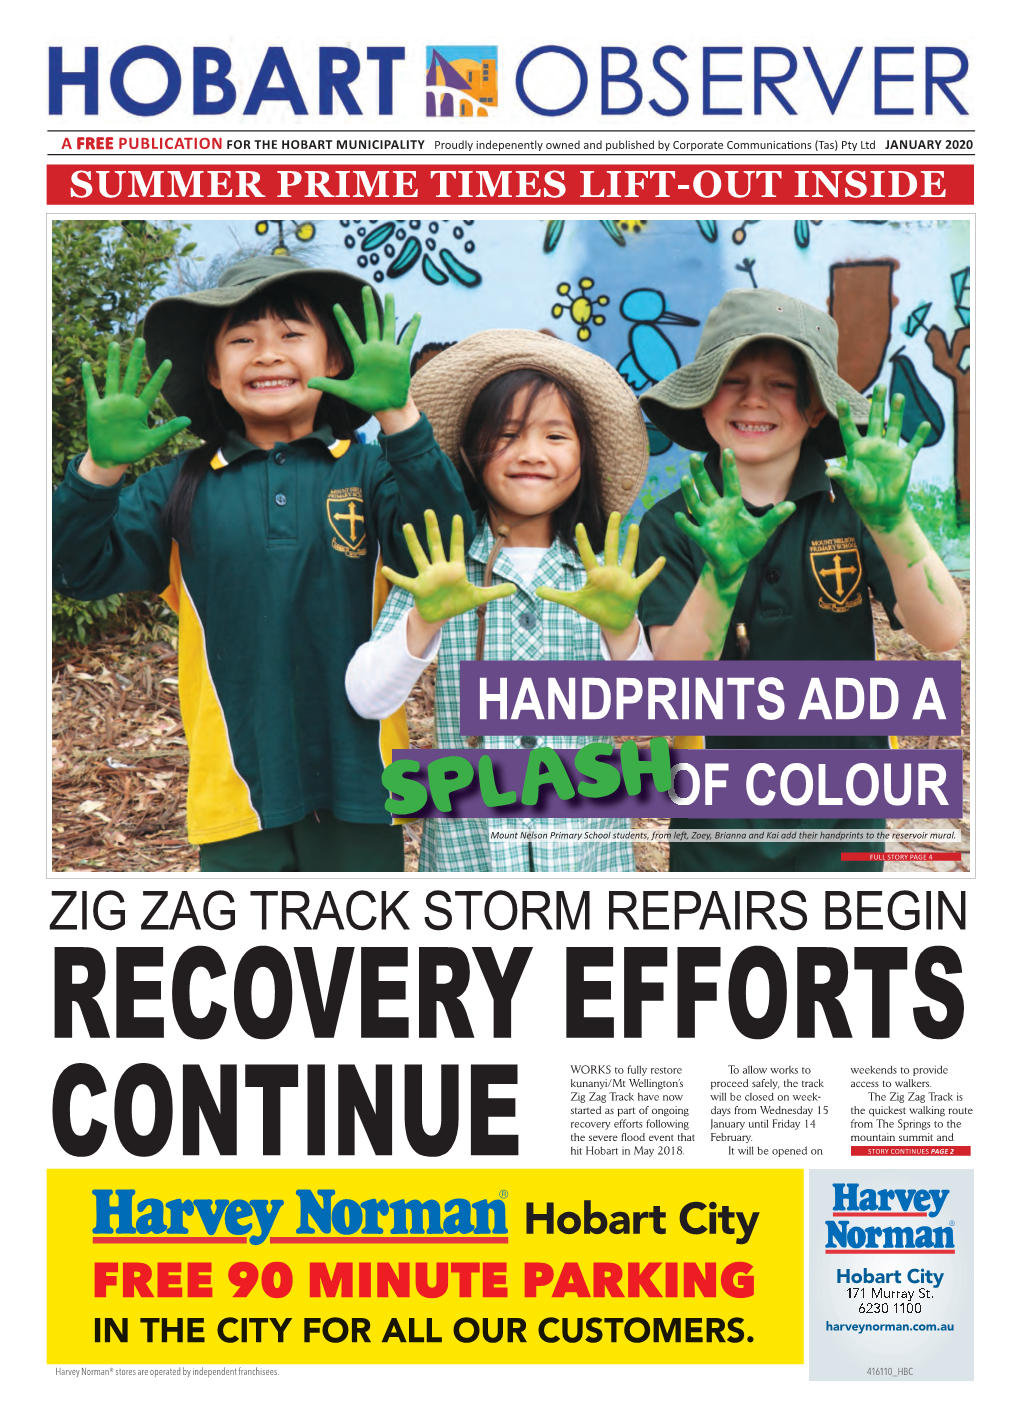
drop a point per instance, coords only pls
(262, 368)
(755, 411)
(537, 466)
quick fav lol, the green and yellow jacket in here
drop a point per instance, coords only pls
(280, 587)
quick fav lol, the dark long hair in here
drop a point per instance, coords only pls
(490, 414)
(287, 301)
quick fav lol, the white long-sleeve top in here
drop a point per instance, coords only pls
(524, 628)
(383, 671)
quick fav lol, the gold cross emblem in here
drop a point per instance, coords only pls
(346, 522)
(351, 518)
(839, 570)
(840, 578)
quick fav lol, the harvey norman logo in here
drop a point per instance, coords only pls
(856, 1209)
(454, 1221)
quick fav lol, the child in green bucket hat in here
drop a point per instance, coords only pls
(267, 541)
(771, 554)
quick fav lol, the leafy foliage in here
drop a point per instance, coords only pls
(105, 276)
(939, 518)
(73, 620)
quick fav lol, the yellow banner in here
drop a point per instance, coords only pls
(411, 1266)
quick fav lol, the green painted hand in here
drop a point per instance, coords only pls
(118, 422)
(611, 592)
(723, 527)
(441, 588)
(877, 473)
(382, 367)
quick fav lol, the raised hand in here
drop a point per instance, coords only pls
(441, 588)
(611, 592)
(723, 527)
(118, 422)
(382, 367)
(877, 473)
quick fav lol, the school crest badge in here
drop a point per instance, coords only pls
(346, 515)
(836, 566)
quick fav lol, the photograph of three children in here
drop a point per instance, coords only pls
(313, 477)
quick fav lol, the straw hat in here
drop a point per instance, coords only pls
(446, 387)
(176, 327)
(740, 318)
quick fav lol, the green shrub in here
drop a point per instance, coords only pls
(105, 276)
(76, 621)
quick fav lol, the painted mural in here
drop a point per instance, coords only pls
(636, 292)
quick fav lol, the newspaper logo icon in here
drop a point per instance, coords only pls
(460, 81)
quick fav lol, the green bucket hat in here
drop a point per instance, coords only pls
(740, 318)
(177, 327)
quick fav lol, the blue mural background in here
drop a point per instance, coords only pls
(636, 292)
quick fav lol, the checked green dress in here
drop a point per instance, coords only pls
(520, 627)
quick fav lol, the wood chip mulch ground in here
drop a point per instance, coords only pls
(120, 760)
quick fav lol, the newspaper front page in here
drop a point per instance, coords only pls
(627, 1085)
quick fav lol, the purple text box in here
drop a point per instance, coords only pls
(712, 698)
(742, 779)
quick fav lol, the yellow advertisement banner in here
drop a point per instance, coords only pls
(271, 1267)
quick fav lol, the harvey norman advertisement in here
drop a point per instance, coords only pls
(477, 464)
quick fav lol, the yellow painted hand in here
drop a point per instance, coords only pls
(611, 592)
(441, 588)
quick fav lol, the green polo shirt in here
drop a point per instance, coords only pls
(279, 590)
(805, 596)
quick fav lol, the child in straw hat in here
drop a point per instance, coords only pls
(772, 554)
(547, 437)
(266, 541)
